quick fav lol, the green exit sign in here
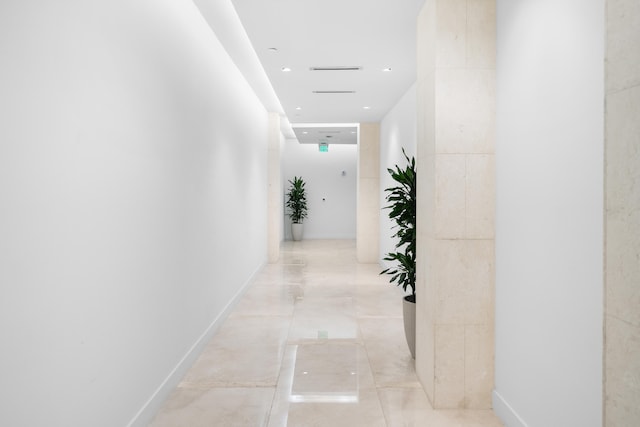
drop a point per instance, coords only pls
(323, 147)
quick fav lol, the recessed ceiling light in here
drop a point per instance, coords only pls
(286, 69)
(305, 132)
(273, 49)
(298, 108)
(366, 108)
(386, 69)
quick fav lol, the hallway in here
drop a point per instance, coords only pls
(317, 340)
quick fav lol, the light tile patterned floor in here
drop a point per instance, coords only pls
(317, 340)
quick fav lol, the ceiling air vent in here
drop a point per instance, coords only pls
(334, 91)
(338, 68)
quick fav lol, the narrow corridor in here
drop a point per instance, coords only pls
(317, 340)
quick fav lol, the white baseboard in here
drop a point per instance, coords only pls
(154, 403)
(505, 412)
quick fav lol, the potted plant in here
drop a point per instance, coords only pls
(402, 210)
(297, 204)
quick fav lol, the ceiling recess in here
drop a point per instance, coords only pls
(334, 91)
(339, 68)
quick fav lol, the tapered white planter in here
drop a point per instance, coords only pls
(296, 231)
(409, 314)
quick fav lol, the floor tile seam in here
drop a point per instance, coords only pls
(373, 340)
(374, 345)
(382, 407)
(217, 385)
(383, 340)
(378, 317)
(277, 287)
(385, 410)
(371, 286)
(407, 386)
(244, 315)
(252, 315)
(272, 284)
(400, 384)
(236, 315)
(336, 341)
(215, 353)
(280, 368)
(222, 343)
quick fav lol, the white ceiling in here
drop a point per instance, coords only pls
(374, 35)
(371, 34)
(326, 134)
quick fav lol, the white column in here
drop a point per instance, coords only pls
(456, 198)
(622, 215)
(275, 197)
(368, 215)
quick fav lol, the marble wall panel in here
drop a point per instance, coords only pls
(622, 222)
(451, 33)
(426, 202)
(425, 314)
(448, 279)
(479, 366)
(623, 150)
(481, 33)
(426, 109)
(427, 270)
(478, 264)
(369, 150)
(622, 275)
(465, 110)
(367, 240)
(623, 55)
(425, 46)
(449, 200)
(456, 202)
(368, 204)
(275, 192)
(463, 278)
(425, 350)
(480, 196)
(622, 373)
(449, 366)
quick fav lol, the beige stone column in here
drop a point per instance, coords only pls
(622, 215)
(456, 202)
(275, 197)
(368, 206)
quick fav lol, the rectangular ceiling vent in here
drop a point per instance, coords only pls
(339, 68)
(334, 91)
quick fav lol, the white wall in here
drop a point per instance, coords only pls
(397, 131)
(549, 238)
(133, 203)
(335, 216)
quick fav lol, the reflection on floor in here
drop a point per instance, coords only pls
(317, 340)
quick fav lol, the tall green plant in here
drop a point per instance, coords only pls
(402, 210)
(297, 200)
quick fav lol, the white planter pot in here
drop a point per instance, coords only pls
(409, 314)
(296, 231)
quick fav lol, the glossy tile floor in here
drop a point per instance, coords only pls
(317, 340)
